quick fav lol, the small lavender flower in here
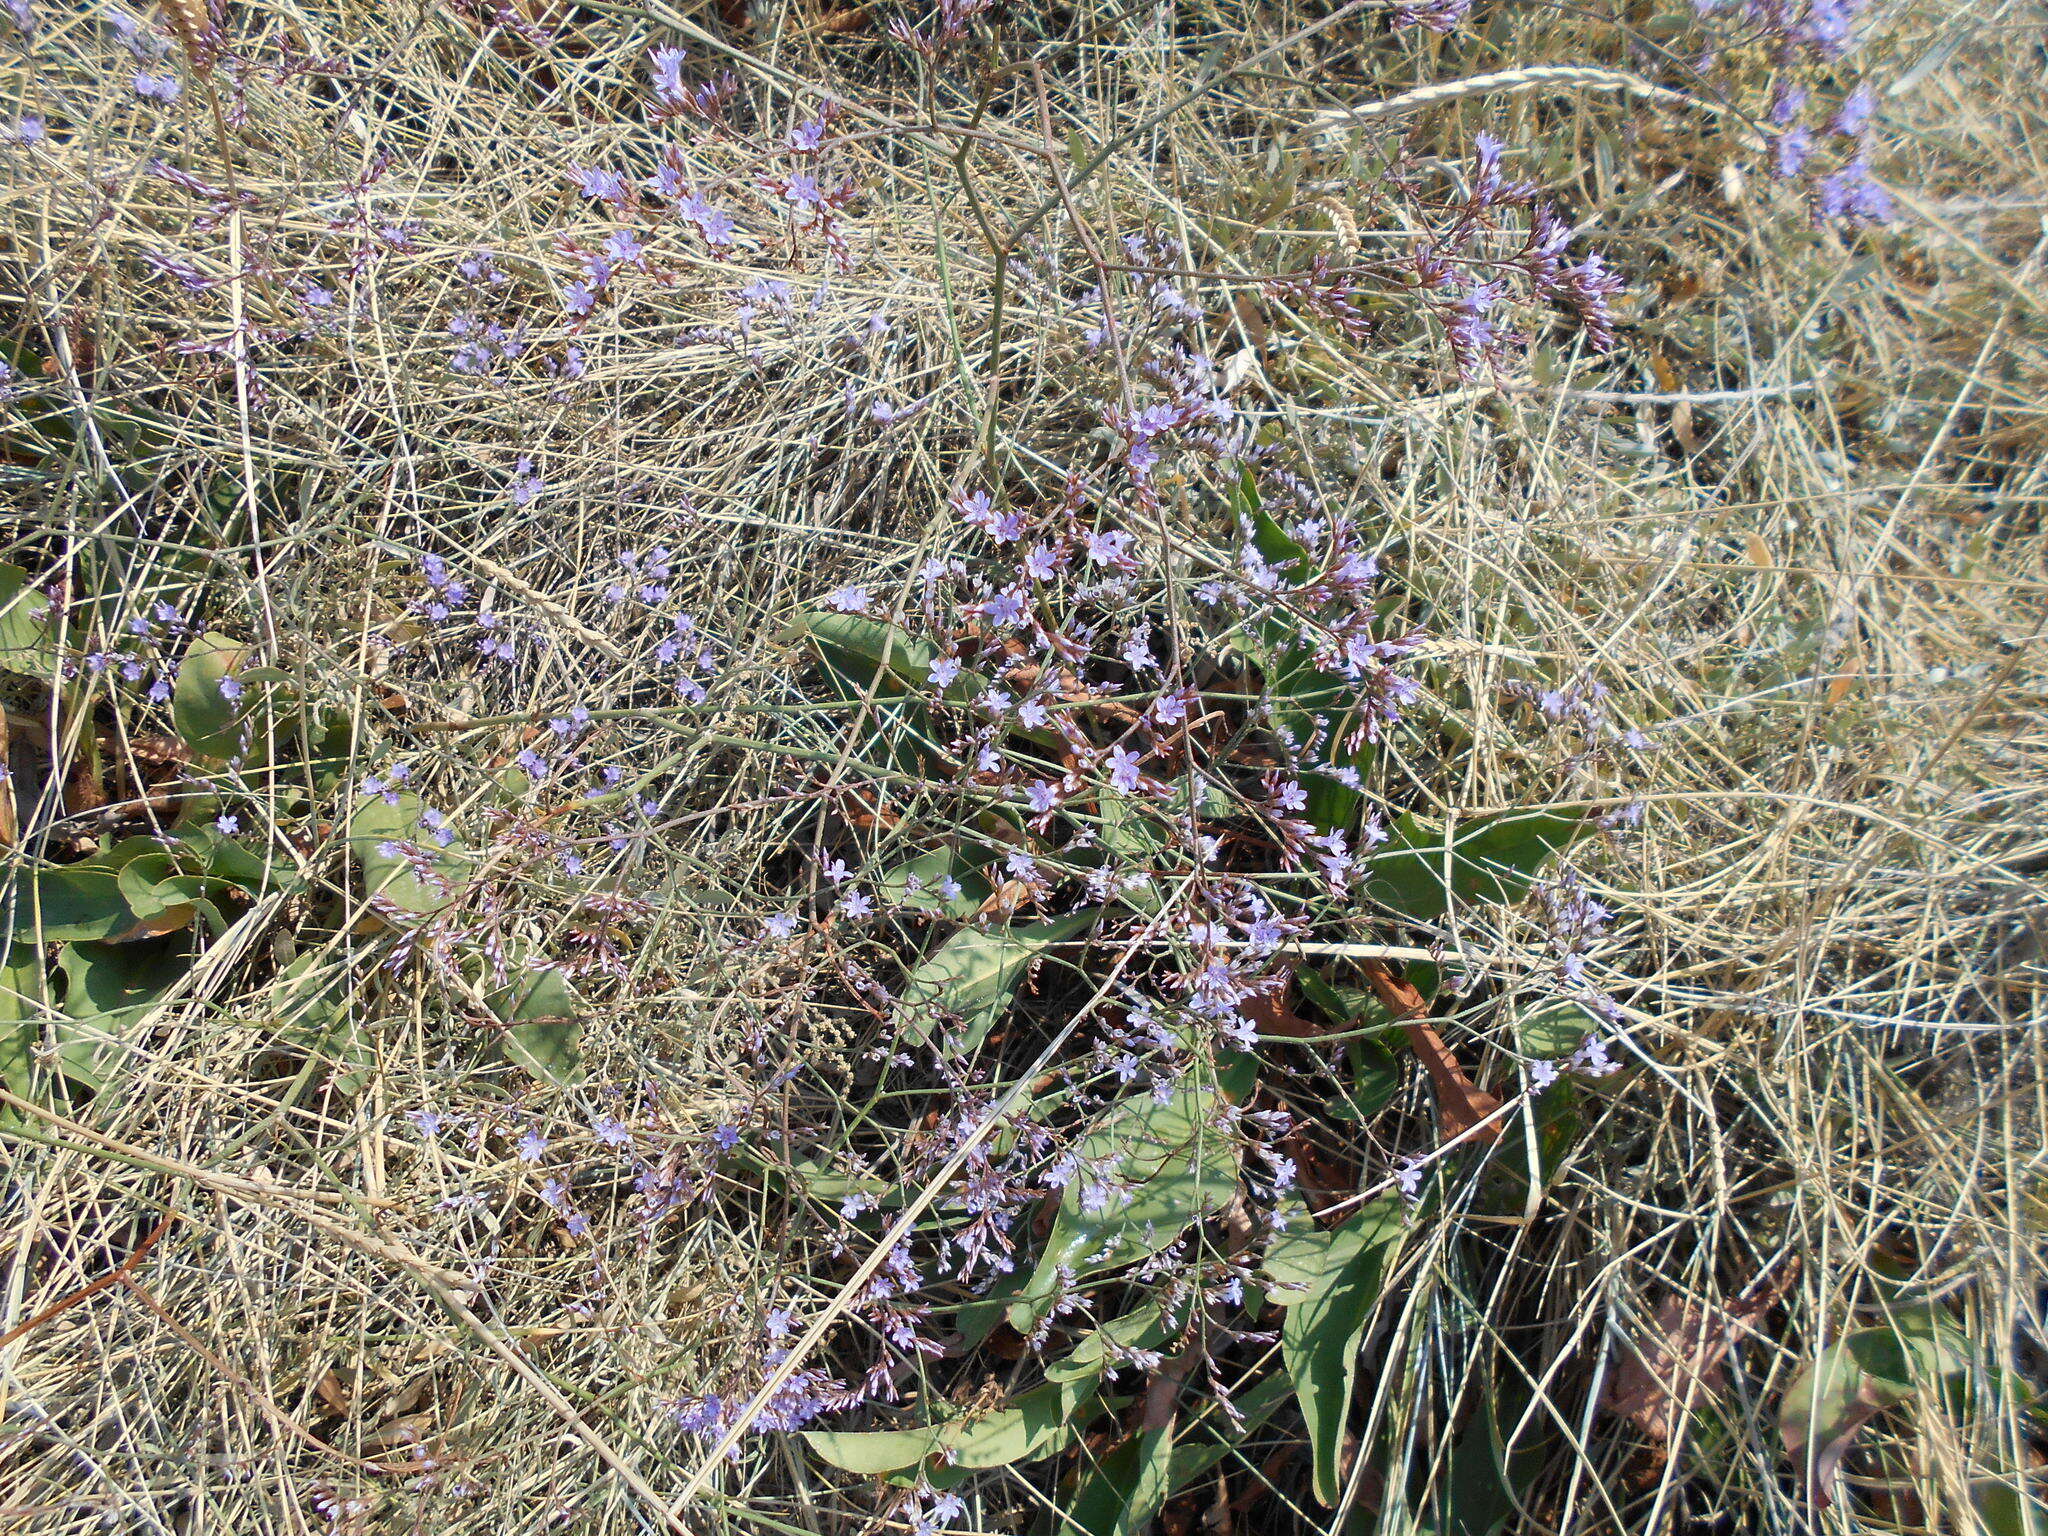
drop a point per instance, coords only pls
(525, 484)
(1852, 197)
(1787, 102)
(599, 184)
(1790, 151)
(1855, 112)
(850, 600)
(665, 73)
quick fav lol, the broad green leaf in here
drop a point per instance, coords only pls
(22, 1010)
(1122, 1494)
(1294, 1258)
(1375, 1080)
(208, 720)
(872, 1452)
(162, 898)
(543, 1031)
(1552, 1030)
(313, 1013)
(1036, 1424)
(929, 871)
(1148, 1171)
(1486, 1482)
(1490, 859)
(1127, 1489)
(375, 823)
(110, 988)
(867, 654)
(1323, 1330)
(1858, 1377)
(2004, 1510)
(1032, 1426)
(1102, 1348)
(65, 901)
(975, 974)
(28, 637)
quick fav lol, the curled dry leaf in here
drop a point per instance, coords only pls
(1679, 1367)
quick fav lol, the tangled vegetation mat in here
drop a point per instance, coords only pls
(1023, 768)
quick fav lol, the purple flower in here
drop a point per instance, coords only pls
(1790, 151)
(726, 1136)
(1409, 1176)
(780, 926)
(1589, 287)
(159, 88)
(713, 223)
(525, 485)
(665, 73)
(1111, 548)
(1852, 196)
(611, 1132)
(1854, 114)
(1005, 609)
(1470, 329)
(231, 688)
(1786, 103)
(856, 904)
(532, 1146)
(599, 184)
(850, 600)
(1123, 769)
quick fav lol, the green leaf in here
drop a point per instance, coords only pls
(1356, 1008)
(1100, 1348)
(22, 1010)
(1554, 1030)
(51, 902)
(109, 989)
(1036, 1424)
(207, 720)
(376, 822)
(872, 1452)
(1858, 1377)
(544, 1034)
(1168, 1167)
(1490, 859)
(1375, 1080)
(1486, 1482)
(1123, 1493)
(975, 975)
(1128, 1488)
(1323, 1330)
(866, 655)
(28, 639)
(313, 1014)
(929, 871)
(2004, 1510)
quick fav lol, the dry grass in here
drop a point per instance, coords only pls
(1794, 527)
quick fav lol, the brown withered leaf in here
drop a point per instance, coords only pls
(1680, 1366)
(1461, 1104)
